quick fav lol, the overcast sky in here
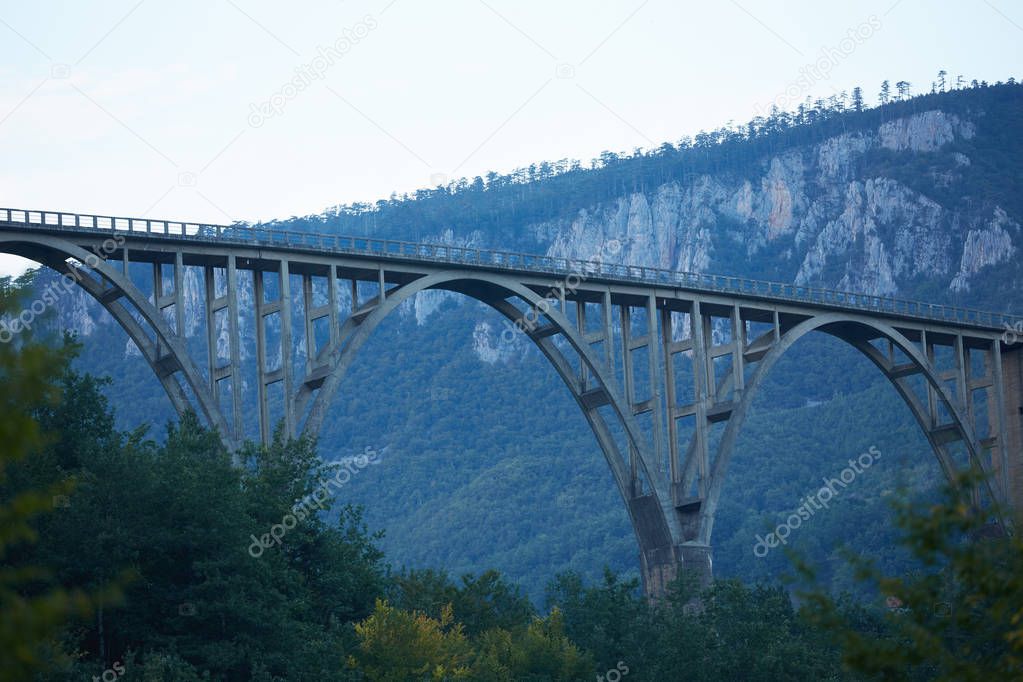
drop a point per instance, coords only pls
(222, 110)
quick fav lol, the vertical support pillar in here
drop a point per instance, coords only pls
(286, 342)
(580, 323)
(1008, 445)
(654, 361)
(234, 336)
(179, 294)
(738, 362)
(157, 296)
(962, 385)
(608, 332)
(701, 376)
(932, 408)
(670, 398)
(211, 331)
(626, 318)
(264, 408)
(310, 339)
(332, 297)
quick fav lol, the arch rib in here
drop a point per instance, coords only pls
(820, 323)
(657, 530)
(52, 252)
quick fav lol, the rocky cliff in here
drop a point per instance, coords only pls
(818, 214)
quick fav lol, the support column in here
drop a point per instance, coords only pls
(657, 395)
(932, 404)
(606, 312)
(738, 361)
(1009, 375)
(671, 399)
(286, 338)
(332, 301)
(307, 304)
(580, 323)
(234, 334)
(626, 320)
(703, 390)
(261, 371)
(179, 294)
(211, 330)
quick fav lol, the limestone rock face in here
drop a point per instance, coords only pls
(883, 234)
(924, 132)
(811, 215)
(988, 245)
(491, 344)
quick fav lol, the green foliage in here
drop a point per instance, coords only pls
(479, 603)
(729, 632)
(34, 609)
(960, 617)
(179, 518)
(609, 619)
(397, 645)
(739, 632)
(541, 652)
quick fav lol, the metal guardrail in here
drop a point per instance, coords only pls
(245, 235)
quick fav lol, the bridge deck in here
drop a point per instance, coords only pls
(389, 249)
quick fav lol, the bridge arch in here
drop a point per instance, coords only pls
(653, 519)
(159, 345)
(857, 332)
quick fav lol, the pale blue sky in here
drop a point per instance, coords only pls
(145, 108)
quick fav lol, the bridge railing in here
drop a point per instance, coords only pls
(562, 267)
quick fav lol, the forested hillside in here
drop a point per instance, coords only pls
(918, 198)
(124, 558)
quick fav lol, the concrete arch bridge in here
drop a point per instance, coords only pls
(663, 365)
